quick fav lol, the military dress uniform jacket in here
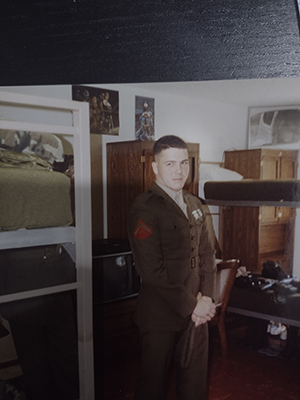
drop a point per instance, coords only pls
(174, 257)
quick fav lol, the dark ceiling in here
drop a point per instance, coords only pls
(88, 41)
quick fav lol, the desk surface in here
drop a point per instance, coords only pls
(262, 305)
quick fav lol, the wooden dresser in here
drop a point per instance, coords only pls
(257, 234)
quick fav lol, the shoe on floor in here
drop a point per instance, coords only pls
(273, 351)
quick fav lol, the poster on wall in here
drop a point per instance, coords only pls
(274, 127)
(144, 118)
(104, 108)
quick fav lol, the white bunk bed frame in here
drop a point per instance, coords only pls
(79, 237)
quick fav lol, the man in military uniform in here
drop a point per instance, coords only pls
(176, 261)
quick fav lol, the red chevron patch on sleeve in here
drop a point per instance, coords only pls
(142, 231)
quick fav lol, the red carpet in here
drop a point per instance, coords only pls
(244, 375)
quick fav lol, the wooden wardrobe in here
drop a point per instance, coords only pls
(129, 173)
(257, 234)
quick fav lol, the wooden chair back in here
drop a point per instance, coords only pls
(226, 274)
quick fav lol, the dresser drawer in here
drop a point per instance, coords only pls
(273, 238)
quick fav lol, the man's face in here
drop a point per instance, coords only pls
(172, 168)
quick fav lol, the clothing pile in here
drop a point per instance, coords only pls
(272, 278)
(273, 339)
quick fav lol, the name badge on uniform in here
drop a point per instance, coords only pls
(197, 214)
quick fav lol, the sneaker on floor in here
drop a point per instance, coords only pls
(270, 351)
(263, 350)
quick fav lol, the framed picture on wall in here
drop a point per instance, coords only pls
(144, 118)
(274, 127)
(104, 108)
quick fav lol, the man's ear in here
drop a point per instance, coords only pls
(154, 167)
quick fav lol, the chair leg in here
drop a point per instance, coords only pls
(223, 337)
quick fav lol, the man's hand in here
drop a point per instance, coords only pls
(204, 310)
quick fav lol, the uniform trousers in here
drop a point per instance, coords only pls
(158, 350)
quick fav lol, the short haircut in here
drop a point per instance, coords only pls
(167, 142)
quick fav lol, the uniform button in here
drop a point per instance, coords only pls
(191, 226)
(192, 249)
(192, 237)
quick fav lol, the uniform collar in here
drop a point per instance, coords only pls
(169, 191)
(174, 196)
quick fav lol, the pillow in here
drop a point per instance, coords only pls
(215, 173)
(44, 145)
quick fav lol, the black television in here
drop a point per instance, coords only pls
(114, 275)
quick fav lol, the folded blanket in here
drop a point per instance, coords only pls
(12, 159)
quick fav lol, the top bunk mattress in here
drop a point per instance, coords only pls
(254, 192)
(33, 199)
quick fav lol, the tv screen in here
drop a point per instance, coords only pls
(114, 277)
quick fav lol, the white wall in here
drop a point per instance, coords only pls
(40, 115)
(216, 126)
(55, 92)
